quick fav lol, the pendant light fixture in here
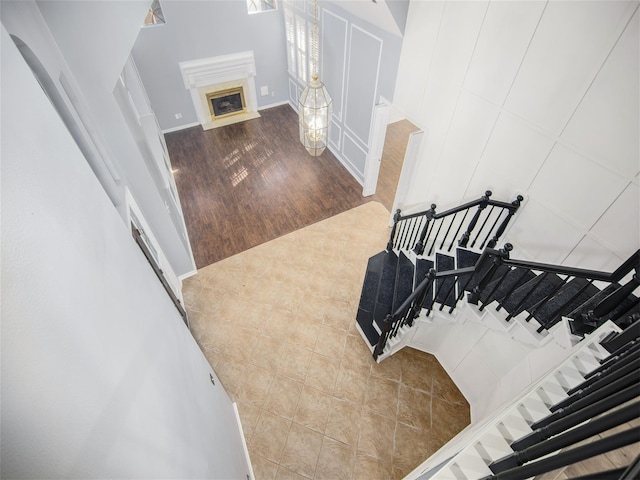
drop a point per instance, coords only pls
(314, 104)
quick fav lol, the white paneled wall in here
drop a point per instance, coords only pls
(539, 98)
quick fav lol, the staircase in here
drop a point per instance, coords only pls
(443, 270)
(586, 406)
(429, 266)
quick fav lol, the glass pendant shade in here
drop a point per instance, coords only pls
(314, 107)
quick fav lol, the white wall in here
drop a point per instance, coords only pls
(358, 64)
(89, 43)
(100, 377)
(197, 29)
(536, 98)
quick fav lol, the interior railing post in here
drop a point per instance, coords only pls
(516, 204)
(498, 256)
(419, 248)
(472, 224)
(387, 326)
(396, 219)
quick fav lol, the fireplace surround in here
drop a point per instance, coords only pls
(227, 77)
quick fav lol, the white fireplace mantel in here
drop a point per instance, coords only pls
(208, 75)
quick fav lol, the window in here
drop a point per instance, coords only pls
(257, 6)
(289, 21)
(302, 49)
(154, 15)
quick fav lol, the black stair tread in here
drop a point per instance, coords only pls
(365, 320)
(515, 276)
(371, 282)
(404, 281)
(445, 294)
(626, 318)
(593, 301)
(530, 293)
(422, 268)
(384, 297)
(564, 301)
(466, 258)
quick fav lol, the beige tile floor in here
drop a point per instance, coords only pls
(277, 324)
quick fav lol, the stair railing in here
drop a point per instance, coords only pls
(591, 408)
(410, 309)
(607, 306)
(428, 230)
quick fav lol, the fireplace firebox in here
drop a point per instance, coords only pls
(225, 103)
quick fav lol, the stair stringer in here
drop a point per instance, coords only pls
(476, 354)
(469, 453)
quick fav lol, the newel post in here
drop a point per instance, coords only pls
(505, 222)
(497, 257)
(396, 219)
(472, 224)
(419, 248)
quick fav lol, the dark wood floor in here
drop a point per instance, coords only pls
(250, 182)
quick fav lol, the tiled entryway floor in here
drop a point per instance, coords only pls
(277, 324)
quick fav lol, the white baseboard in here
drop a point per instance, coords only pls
(272, 105)
(181, 127)
(244, 442)
(188, 274)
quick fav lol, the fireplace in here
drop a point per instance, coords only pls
(222, 88)
(226, 102)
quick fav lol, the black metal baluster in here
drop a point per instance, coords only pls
(518, 284)
(392, 239)
(406, 225)
(613, 359)
(601, 382)
(414, 231)
(575, 418)
(619, 351)
(570, 456)
(503, 225)
(409, 222)
(414, 241)
(417, 305)
(482, 226)
(455, 235)
(557, 312)
(435, 239)
(387, 325)
(496, 257)
(534, 308)
(516, 310)
(453, 285)
(432, 276)
(567, 438)
(419, 249)
(582, 399)
(448, 230)
(486, 238)
(615, 368)
(467, 234)
(460, 295)
(464, 288)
